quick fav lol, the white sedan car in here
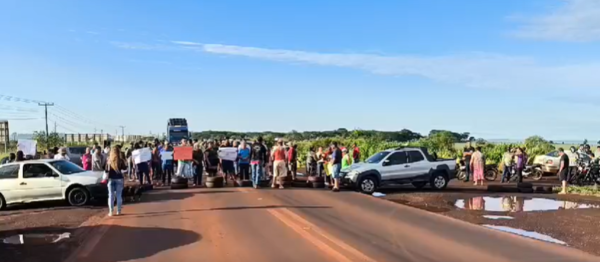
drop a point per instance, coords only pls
(48, 179)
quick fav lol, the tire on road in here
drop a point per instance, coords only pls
(524, 185)
(179, 186)
(316, 179)
(502, 188)
(179, 180)
(78, 196)
(2, 202)
(438, 180)
(490, 174)
(526, 190)
(243, 183)
(420, 184)
(214, 182)
(367, 184)
(318, 184)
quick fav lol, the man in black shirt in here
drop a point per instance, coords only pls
(258, 159)
(563, 171)
(336, 159)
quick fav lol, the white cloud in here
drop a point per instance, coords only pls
(475, 70)
(574, 21)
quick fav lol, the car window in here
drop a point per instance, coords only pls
(415, 156)
(397, 158)
(77, 150)
(9, 172)
(553, 154)
(376, 158)
(36, 170)
(66, 167)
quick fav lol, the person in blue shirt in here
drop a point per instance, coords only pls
(244, 161)
(167, 165)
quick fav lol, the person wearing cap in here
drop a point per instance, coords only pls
(167, 164)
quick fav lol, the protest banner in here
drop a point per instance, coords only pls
(27, 146)
(228, 153)
(141, 155)
(184, 153)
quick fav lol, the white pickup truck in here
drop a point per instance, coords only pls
(400, 166)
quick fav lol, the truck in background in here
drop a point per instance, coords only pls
(177, 129)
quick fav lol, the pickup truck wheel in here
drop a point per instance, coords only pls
(438, 181)
(78, 196)
(419, 185)
(367, 185)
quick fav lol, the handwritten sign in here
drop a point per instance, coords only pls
(27, 146)
(183, 153)
(141, 155)
(228, 153)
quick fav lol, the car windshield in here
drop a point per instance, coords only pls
(376, 158)
(553, 154)
(77, 150)
(66, 167)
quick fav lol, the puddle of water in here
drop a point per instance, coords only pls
(497, 217)
(35, 239)
(377, 194)
(517, 204)
(525, 233)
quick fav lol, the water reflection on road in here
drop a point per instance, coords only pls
(517, 204)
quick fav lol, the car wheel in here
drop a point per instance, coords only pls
(419, 185)
(78, 196)
(438, 181)
(462, 175)
(537, 174)
(367, 184)
(2, 203)
(491, 174)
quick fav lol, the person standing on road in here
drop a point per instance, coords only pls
(311, 162)
(563, 171)
(227, 166)
(198, 158)
(520, 163)
(336, 166)
(115, 180)
(478, 165)
(279, 167)
(156, 164)
(507, 161)
(244, 161)
(167, 165)
(211, 160)
(292, 157)
(142, 169)
(356, 153)
(467, 152)
(346, 159)
(98, 160)
(86, 159)
(258, 160)
(62, 155)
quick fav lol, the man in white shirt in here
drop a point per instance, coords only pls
(62, 154)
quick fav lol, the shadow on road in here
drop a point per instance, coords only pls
(120, 243)
(164, 213)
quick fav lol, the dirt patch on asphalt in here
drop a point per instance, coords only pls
(570, 220)
(28, 222)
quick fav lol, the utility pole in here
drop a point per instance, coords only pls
(46, 105)
(122, 133)
(54, 126)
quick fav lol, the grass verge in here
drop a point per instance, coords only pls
(581, 190)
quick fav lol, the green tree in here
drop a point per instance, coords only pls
(54, 139)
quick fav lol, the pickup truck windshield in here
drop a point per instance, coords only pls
(66, 167)
(376, 158)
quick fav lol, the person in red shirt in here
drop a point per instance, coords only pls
(356, 153)
(279, 163)
(293, 160)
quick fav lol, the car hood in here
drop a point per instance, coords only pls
(86, 178)
(358, 167)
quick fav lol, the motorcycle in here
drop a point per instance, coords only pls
(490, 173)
(534, 172)
(587, 173)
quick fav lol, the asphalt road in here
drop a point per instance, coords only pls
(243, 224)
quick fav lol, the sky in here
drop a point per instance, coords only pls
(498, 69)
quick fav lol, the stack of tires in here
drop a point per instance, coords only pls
(524, 187)
(316, 181)
(179, 183)
(146, 187)
(214, 182)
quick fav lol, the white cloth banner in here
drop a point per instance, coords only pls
(141, 155)
(166, 155)
(27, 146)
(228, 153)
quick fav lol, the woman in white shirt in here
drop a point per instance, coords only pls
(62, 154)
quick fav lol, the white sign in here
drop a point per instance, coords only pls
(228, 153)
(141, 155)
(166, 155)
(27, 146)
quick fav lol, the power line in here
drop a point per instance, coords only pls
(46, 105)
(67, 111)
(70, 122)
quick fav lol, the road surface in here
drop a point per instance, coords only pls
(243, 224)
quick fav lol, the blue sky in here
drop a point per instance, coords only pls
(497, 69)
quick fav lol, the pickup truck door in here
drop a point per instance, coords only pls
(394, 166)
(417, 165)
(40, 182)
